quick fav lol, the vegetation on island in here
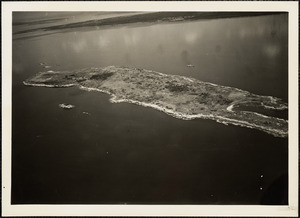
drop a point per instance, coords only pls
(182, 97)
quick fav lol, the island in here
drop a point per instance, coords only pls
(179, 96)
(66, 106)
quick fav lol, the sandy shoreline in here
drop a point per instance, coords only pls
(48, 86)
(148, 18)
(178, 115)
(182, 116)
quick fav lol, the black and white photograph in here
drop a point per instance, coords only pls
(155, 106)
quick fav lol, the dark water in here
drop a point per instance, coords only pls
(124, 153)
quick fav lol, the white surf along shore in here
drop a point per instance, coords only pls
(179, 115)
(184, 116)
(48, 86)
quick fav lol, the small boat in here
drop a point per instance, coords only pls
(190, 65)
(66, 106)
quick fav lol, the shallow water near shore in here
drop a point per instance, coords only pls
(123, 153)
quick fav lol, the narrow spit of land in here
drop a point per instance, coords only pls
(181, 97)
(148, 18)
